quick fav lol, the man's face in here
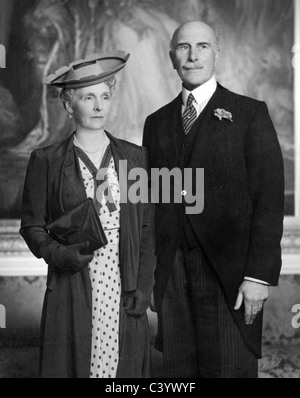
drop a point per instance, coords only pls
(195, 54)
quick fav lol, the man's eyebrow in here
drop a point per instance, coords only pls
(201, 43)
(183, 43)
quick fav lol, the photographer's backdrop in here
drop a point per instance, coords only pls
(257, 39)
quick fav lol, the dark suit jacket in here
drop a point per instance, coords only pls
(53, 185)
(241, 226)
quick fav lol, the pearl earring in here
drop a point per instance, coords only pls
(70, 116)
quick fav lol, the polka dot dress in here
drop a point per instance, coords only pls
(106, 282)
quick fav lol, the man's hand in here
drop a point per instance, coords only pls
(253, 294)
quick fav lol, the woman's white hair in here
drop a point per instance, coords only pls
(66, 94)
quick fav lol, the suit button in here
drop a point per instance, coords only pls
(183, 193)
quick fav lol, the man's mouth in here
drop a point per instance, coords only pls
(193, 68)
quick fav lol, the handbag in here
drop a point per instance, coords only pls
(80, 224)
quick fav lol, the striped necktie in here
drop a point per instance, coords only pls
(189, 115)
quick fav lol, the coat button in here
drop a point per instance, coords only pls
(183, 193)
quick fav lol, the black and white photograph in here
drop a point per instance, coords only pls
(150, 191)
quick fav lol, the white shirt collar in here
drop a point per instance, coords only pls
(202, 94)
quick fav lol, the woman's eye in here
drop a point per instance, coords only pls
(89, 98)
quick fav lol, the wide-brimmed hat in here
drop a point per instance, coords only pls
(94, 69)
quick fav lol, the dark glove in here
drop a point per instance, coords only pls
(65, 258)
(136, 303)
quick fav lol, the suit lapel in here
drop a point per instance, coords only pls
(169, 128)
(209, 127)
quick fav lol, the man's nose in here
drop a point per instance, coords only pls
(193, 55)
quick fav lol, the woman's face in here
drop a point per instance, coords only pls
(90, 106)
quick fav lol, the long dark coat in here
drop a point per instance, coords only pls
(53, 185)
(241, 226)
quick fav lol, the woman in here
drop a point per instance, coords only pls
(94, 321)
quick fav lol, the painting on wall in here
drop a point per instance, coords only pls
(256, 39)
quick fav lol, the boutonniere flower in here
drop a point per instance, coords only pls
(221, 113)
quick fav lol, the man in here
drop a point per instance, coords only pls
(214, 268)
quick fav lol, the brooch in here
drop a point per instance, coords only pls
(221, 113)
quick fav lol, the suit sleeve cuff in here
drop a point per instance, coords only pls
(247, 278)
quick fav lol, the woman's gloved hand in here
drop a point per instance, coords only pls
(64, 258)
(136, 303)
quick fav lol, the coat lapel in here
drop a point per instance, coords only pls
(169, 128)
(119, 155)
(131, 218)
(210, 128)
(72, 175)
